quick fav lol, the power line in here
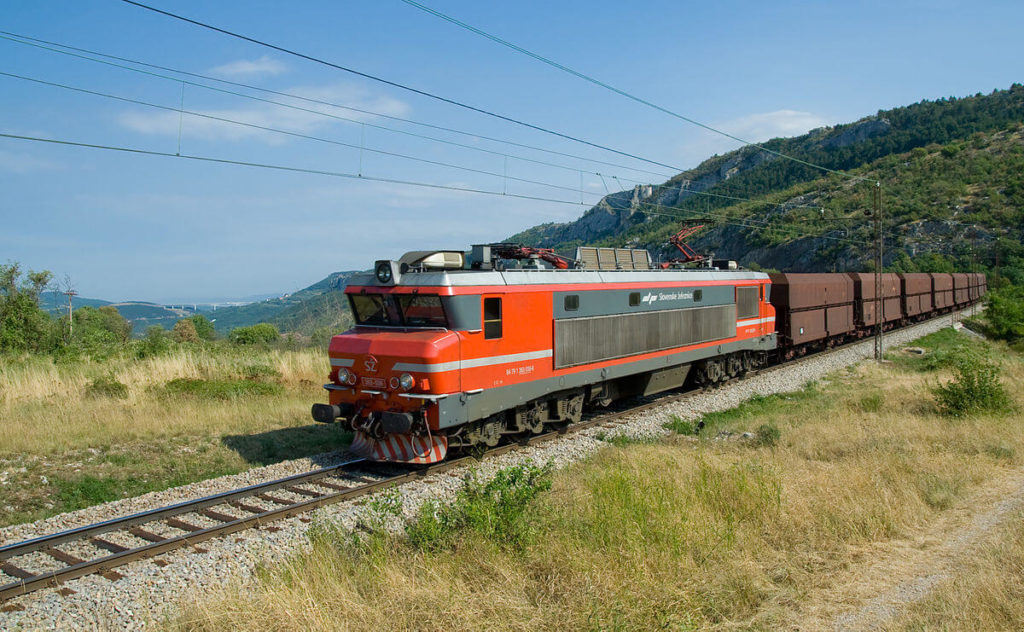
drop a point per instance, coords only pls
(321, 172)
(354, 176)
(296, 134)
(227, 120)
(606, 86)
(28, 41)
(401, 86)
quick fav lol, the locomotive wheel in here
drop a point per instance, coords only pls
(735, 365)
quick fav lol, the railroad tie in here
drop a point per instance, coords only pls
(181, 524)
(275, 499)
(14, 571)
(108, 545)
(304, 492)
(61, 556)
(139, 532)
(253, 509)
(330, 485)
(218, 516)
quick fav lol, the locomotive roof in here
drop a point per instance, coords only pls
(519, 276)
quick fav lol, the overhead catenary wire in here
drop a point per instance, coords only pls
(264, 128)
(245, 163)
(362, 147)
(401, 86)
(355, 176)
(612, 88)
(48, 45)
(39, 43)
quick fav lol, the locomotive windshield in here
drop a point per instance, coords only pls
(404, 310)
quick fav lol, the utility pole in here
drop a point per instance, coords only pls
(71, 321)
(879, 303)
(974, 263)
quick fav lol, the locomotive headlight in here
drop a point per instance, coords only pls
(406, 381)
(346, 377)
(383, 272)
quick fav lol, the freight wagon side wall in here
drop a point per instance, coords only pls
(812, 307)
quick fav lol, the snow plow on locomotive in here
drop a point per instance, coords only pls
(449, 352)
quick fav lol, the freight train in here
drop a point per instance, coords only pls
(451, 352)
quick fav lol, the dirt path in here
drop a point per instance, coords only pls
(888, 576)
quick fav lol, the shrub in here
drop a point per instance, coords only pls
(871, 403)
(107, 386)
(185, 331)
(203, 326)
(262, 333)
(156, 342)
(767, 435)
(259, 372)
(1005, 314)
(495, 510)
(682, 426)
(975, 388)
(220, 389)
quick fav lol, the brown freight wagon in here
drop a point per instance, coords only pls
(811, 307)
(977, 280)
(916, 288)
(942, 289)
(864, 298)
(961, 288)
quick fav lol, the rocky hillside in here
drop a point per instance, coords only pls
(948, 168)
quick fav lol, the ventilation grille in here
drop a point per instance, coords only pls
(613, 258)
(747, 302)
(586, 340)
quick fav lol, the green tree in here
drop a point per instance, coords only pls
(1005, 314)
(102, 326)
(185, 331)
(203, 326)
(23, 325)
(261, 333)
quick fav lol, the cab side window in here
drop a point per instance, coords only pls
(492, 318)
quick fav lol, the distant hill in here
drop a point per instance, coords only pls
(57, 303)
(948, 168)
(141, 314)
(320, 305)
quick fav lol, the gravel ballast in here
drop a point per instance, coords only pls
(148, 592)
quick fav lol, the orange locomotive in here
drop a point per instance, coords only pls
(452, 354)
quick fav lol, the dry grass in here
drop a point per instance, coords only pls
(987, 594)
(68, 444)
(678, 535)
(47, 407)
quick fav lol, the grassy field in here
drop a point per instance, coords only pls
(987, 594)
(712, 532)
(80, 432)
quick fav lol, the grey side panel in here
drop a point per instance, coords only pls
(463, 312)
(747, 299)
(605, 302)
(462, 408)
(587, 340)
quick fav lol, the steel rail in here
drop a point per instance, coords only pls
(152, 515)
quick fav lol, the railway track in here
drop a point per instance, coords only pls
(102, 547)
(189, 523)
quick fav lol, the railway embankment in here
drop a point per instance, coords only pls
(819, 433)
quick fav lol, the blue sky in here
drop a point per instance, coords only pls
(166, 229)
